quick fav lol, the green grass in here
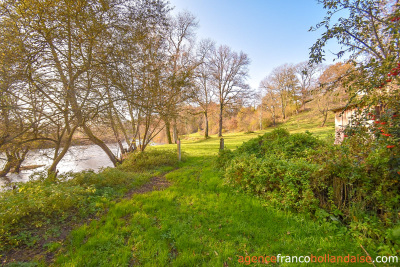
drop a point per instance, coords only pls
(198, 221)
(309, 120)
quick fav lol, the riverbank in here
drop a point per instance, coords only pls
(37, 215)
(196, 220)
(78, 158)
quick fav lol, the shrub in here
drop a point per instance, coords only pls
(281, 143)
(283, 183)
(142, 161)
(41, 203)
(356, 183)
(224, 157)
(33, 205)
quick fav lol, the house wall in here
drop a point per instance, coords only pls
(341, 121)
(344, 119)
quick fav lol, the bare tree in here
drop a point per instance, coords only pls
(270, 101)
(203, 89)
(284, 82)
(307, 75)
(66, 44)
(179, 68)
(229, 72)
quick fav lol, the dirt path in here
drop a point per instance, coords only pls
(155, 184)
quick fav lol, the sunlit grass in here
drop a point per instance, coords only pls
(199, 221)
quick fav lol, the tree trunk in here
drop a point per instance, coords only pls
(115, 130)
(175, 129)
(57, 158)
(206, 125)
(8, 166)
(101, 144)
(18, 163)
(325, 114)
(122, 127)
(168, 131)
(273, 118)
(283, 112)
(20, 158)
(221, 109)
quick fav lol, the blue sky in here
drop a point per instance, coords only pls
(271, 32)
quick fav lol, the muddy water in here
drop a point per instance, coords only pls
(78, 158)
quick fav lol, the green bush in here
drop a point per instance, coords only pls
(147, 160)
(283, 183)
(281, 143)
(41, 203)
(353, 183)
(35, 204)
(224, 157)
(109, 177)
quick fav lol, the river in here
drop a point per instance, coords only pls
(78, 158)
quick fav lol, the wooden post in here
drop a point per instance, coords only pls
(178, 142)
(221, 144)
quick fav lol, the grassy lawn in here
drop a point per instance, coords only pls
(198, 221)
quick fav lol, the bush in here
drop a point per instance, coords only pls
(224, 157)
(109, 177)
(35, 204)
(142, 161)
(355, 183)
(281, 143)
(285, 184)
(39, 204)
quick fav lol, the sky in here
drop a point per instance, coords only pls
(271, 32)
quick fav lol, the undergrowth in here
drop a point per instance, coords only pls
(30, 209)
(353, 188)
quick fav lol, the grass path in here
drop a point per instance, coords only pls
(197, 221)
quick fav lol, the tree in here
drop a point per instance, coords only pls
(63, 36)
(66, 43)
(283, 82)
(179, 68)
(203, 89)
(134, 73)
(330, 91)
(229, 71)
(368, 34)
(306, 74)
(271, 98)
(20, 120)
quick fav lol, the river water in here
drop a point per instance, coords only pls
(78, 158)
